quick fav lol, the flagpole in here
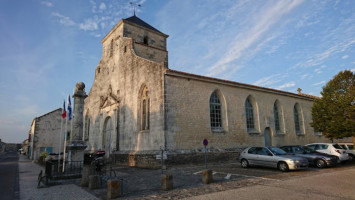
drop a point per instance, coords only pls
(65, 139)
(60, 139)
(71, 123)
(60, 142)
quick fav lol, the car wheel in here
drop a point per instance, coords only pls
(282, 167)
(351, 157)
(320, 163)
(244, 163)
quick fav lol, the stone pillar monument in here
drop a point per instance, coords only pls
(79, 97)
(77, 145)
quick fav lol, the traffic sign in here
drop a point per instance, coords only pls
(205, 142)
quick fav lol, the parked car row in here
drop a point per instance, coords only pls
(294, 157)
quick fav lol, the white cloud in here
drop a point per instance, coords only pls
(319, 70)
(245, 41)
(269, 80)
(353, 70)
(286, 85)
(319, 83)
(334, 44)
(64, 19)
(89, 25)
(93, 4)
(305, 76)
(47, 3)
(345, 57)
(102, 6)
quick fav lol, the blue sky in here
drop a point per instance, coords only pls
(48, 46)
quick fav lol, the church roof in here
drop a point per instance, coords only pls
(237, 84)
(134, 19)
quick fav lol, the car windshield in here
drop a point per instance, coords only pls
(337, 146)
(277, 151)
(308, 150)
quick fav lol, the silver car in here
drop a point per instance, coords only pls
(271, 157)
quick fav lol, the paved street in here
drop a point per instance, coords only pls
(230, 182)
(28, 185)
(9, 183)
(262, 183)
(335, 184)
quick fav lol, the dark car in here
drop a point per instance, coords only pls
(315, 158)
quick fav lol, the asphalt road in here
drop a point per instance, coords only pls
(333, 183)
(9, 176)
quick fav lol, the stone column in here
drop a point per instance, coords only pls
(77, 145)
(79, 97)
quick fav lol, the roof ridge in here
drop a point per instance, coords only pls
(136, 20)
(244, 84)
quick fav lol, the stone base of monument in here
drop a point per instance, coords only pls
(76, 151)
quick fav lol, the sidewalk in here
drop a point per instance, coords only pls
(28, 175)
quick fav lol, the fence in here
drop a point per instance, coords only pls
(73, 169)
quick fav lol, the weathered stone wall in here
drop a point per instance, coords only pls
(137, 33)
(114, 98)
(156, 55)
(188, 114)
(31, 143)
(46, 133)
(148, 159)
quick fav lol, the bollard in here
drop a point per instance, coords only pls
(207, 176)
(94, 182)
(113, 189)
(88, 170)
(167, 181)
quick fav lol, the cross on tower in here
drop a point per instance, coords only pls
(299, 90)
(134, 7)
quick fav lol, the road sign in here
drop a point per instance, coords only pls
(205, 142)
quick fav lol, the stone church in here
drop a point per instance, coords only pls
(137, 105)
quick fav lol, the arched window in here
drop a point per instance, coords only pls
(277, 117)
(144, 109)
(249, 115)
(215, 112)
(296, 116)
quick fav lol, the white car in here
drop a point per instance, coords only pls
(349, 148)
(330, 148)
(271, 157)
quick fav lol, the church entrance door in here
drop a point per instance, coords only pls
(267, 135)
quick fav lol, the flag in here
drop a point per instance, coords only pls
(69, 107)
(64, 112)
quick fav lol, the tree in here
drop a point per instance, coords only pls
(334, 113)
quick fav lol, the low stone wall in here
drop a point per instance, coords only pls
(148, 159)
